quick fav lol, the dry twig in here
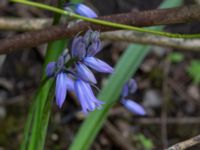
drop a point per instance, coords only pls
(143, 38)
(185, 144)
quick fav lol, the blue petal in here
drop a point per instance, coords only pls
(133, 107)
(86, 97)
(50, 69)
(78, 48)
(91, 96)
(61, 88)
(85, 74)
(61, 62)
(98, 65)
(84, 10)
(81, 95)
(70, 84)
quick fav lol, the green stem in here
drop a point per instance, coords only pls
(106, 23)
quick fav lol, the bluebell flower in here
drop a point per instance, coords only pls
(84, 48)
(98, 65)
(78, 48)
(129, 88)
(63, 82)
(133, 107)
(86, 97)
(85, 73)
(80, 9)
(84, 10)
(61, 88)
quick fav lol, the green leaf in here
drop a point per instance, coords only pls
(175, 57)
(38, 118)
(146, 142)
(126, 67)
(194, 71)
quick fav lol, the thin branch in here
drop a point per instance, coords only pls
(143, 38)
(144, 18)
(16, 24)
(25, 24)
(185, 144)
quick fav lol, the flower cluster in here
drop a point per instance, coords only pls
(79, 78)
(129, 88)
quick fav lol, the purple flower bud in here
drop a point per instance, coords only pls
(129, 87)
(61, 62)
(95, 36)
(94, 48)
(84, 10)
(50, 69)
(98, 65)
(91, 36)
(61, 88)
(125, 91)
(85, 74)
(78, 48)
(133, 107)
(132, 85)
(86, 97)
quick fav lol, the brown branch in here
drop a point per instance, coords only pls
(17, 24)
(185, 144)
(144, 38)
(145, 18)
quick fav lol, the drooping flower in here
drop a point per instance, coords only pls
(80, 9)
(129, 88)
(61, 88)
(86, 97)
(85, 73)
(98, 65)
(63, 82)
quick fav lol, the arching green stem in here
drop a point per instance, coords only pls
(106, 23)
